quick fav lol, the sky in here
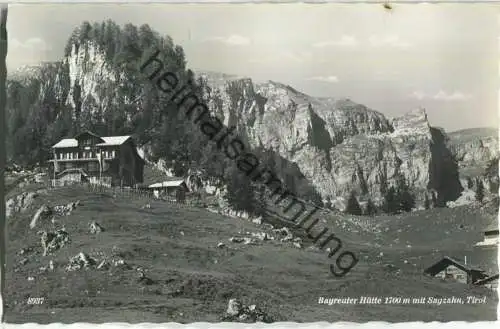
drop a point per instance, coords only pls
(442, 57)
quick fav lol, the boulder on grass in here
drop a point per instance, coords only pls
(42, 213)
(234, 307)
(52, 241)
(237, 312)
(80, 261)
(95, 228)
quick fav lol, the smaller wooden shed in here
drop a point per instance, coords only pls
(171, 187)
(451, 269)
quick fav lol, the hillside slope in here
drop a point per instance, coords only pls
(193, 279)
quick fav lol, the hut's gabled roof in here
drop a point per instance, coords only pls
(447, 261)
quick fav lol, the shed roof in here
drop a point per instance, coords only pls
(114, 140)
(173, 182)
(487, 280)
(72, 170)
(67, 142)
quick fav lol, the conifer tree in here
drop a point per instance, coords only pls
(427, 203)
(406, 200)
(371, 209)
(353, 206)
(470, 184)
(434, 200)
(240, 191)
(479, 191)
(391, 202)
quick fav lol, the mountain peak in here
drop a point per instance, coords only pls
(29, 71)
(412, 122)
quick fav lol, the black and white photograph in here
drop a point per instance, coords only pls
(250, 163)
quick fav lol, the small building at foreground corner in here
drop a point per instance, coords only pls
(450, 269)
(109, 161)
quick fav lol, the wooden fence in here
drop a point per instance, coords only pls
(141, 193)
(190, 200)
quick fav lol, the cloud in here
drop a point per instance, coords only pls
(329, 79)
(388, 41)
(344, 41)
(418, 95)
(393, 41)
(32, 44)
(298, 57)
(456, 96)
(284, 56)
(441, 96)
(232, 40)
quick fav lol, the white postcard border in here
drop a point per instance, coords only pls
(276, 325)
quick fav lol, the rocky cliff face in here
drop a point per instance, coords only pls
(83, 81)
(474, 148)
(338, 145)
(331, 146)
(88, 73)
(477, 152)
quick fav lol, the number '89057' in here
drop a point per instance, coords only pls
(35, 300)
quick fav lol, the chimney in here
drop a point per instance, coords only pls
(465, 260)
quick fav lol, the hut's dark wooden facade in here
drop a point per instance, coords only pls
(109, 160)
